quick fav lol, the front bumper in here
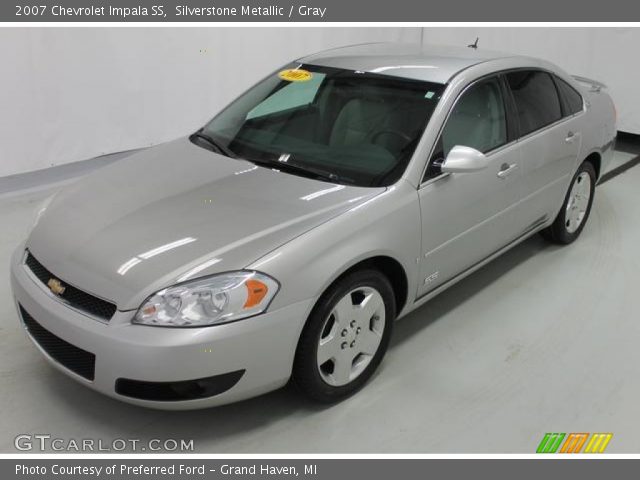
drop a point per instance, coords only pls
(262, 347)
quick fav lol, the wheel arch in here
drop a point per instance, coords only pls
(595, 159)
(389, 267)
(385, 264)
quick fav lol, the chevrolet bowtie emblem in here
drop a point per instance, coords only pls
(56, 286)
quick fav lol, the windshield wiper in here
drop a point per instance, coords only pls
(214, 144)
(302, 169)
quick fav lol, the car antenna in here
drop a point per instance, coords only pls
(474, 44)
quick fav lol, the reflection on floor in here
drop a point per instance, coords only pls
(542, 339)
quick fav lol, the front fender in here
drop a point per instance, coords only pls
(386, 225)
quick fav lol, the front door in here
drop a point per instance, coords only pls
(466, 217)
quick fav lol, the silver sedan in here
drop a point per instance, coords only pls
(282, 239)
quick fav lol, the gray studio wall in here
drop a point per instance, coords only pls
(607, 54)
(69, 94)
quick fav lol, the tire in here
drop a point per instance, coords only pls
(342, 346)
(575, 209)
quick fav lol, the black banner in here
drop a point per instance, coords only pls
(310, 469)
(218, 11)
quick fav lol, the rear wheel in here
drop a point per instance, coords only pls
(576, 207)
(346, 336)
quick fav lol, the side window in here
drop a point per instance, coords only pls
(572, 99)
(536, 99)
(296, 94)
(477, 120)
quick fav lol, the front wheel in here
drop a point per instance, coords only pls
(345, 337)
(576, 207)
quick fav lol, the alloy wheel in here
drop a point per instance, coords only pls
(351, 336)
(578, 202)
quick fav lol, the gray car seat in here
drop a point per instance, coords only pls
(477, 120)
(357, 120)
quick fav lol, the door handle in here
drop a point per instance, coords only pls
(506, 169)
(571, 136)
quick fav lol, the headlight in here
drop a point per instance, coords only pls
(209, 301)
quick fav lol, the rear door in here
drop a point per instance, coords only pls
(550, 138)
(466, 217)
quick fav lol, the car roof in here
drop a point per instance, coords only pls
(433, 63)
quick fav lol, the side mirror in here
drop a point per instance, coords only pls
(463, 160)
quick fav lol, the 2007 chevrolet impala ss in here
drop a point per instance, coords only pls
(282, 239)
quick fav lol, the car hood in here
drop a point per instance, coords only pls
(173, 213)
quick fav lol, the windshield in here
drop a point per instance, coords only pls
(341, 125)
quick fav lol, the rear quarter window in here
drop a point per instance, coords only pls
(536, 99)
(572, 99)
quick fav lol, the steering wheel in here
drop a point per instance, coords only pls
(397, 133)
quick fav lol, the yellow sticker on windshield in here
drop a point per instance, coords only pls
(295, 75)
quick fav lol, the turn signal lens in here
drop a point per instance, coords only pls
(256, 291)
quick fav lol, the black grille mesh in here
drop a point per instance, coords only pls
(73, 296)
(74, 358)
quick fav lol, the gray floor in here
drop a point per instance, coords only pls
(544, 339)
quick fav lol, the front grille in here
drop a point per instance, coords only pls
(76, 298)
(74, 358)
